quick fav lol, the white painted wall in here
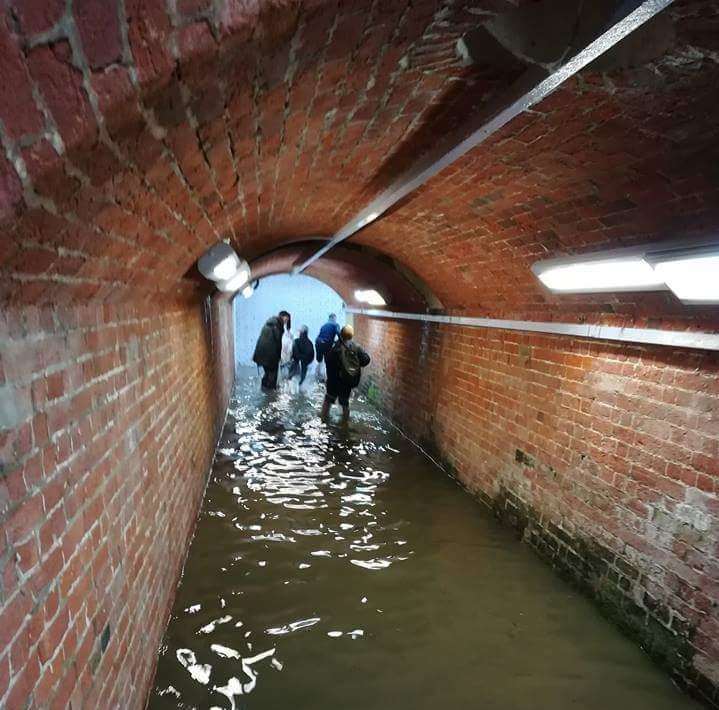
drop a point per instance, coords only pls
(308, 300)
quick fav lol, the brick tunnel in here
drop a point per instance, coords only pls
(137, 134)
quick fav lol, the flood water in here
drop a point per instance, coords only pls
(340, 568)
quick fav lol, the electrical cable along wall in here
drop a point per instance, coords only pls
(649, 336)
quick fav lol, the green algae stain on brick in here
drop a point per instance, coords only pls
(373, 393)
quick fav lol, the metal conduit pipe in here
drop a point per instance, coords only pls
(648, 336)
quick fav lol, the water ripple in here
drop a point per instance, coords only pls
(338, 568)
(283, 481)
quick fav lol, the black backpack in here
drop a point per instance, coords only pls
(349, 365)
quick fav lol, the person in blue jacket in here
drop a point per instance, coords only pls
(326, 337)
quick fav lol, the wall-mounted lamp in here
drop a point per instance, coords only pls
(221, 264)
(237, 281)
(370, 296)
(691, 272)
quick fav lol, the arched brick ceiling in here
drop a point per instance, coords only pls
(346, 269)
(135, 136)
(606, 161)
(138, 133)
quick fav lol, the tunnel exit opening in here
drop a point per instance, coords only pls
(308, 300)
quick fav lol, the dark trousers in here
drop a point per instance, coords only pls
(299, 367)
(303, 371)
(269, 378)
(322, 347)
(336, 389)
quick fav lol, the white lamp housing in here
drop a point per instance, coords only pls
(693, 274)
(219, 262)
(370, 296)
(239, 279)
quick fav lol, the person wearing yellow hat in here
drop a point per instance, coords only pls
(344, 368)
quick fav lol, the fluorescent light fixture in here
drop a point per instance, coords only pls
(370, 296)
(237, 281)
(689, 267)
(692, 274)
(219, 262)
(629, 273)
(248, 290)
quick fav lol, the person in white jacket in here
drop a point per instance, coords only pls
(287, 342)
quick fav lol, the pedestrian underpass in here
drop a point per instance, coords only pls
(515, 201)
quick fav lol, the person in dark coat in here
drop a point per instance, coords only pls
(269, 349)
(340, 382)
(303, 353)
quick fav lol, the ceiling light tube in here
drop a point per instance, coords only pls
(598, 273)
(688, 266)
(692, 274)
(374, 298)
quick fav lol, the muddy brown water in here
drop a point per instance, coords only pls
(341, 568)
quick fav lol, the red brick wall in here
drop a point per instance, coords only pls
(605, 455)
(157, 128)
(108, 422)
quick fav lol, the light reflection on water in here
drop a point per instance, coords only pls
(339, 568)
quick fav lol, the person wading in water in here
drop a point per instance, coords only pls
(287, 340)
(325, 340)
(303, 353)
(268, 349)
(344, 369)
